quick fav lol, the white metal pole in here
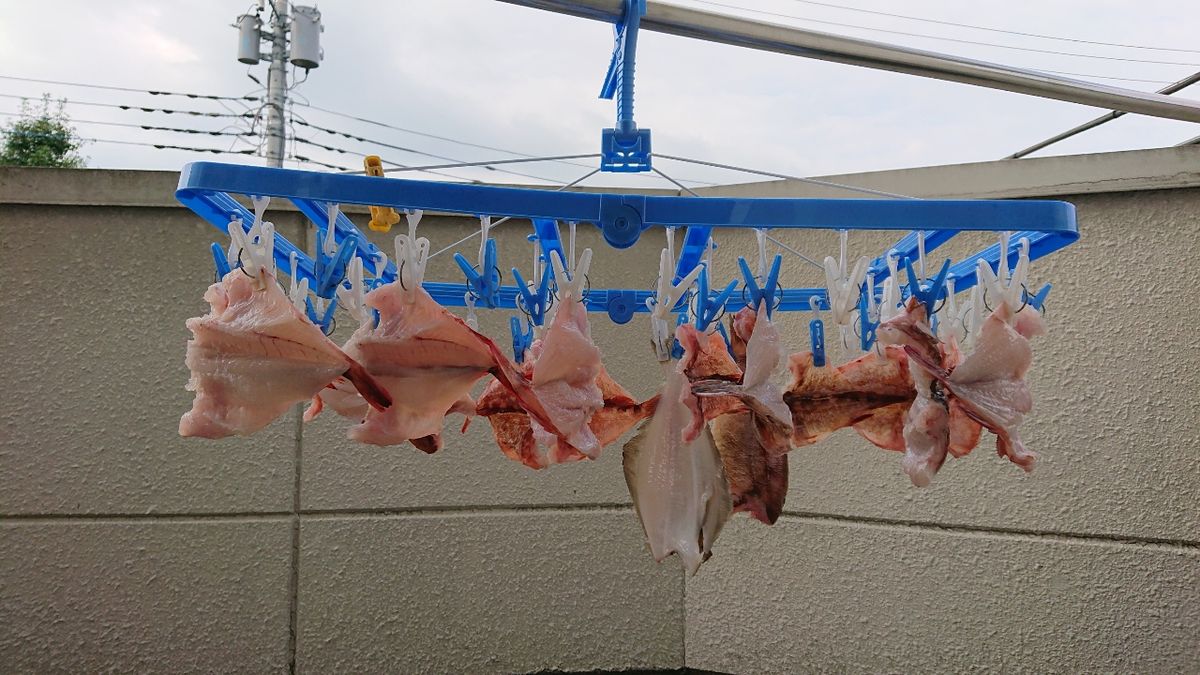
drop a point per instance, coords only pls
(694, 23)
(277, 85)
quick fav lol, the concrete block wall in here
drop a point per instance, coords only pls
(126, 548)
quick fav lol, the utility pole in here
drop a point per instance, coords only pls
(277, 92)
(303, 26)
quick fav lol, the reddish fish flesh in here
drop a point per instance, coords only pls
(927, 422)
(427, 359)
(514, 432)
(757, 478)
(716, 382)
(678, 486)
(254, 355)
(866, 393)
(990, 382)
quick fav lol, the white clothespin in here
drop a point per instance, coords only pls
(760, 237)
(571, 251)
(973, 317)
(297, 292)
(329, 245)
(1006, 288)
(571, 285)
(889, 305)
(872, 305)
(843, 287)
(472, 320)
(255, 249)
(485, 227)
(412, 253)
(665, 297)
(951, 326)
(353, 299)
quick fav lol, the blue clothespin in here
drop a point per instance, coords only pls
(928, 295)
(624, 148)
(676, 348)
(325, 321)
(1037, 300)
(709, 306)
(816, 333)
(537, 303)
(220, 261)
(866, 327)
(769, 289)
(484, 283)
(521, 340)
(331, 270)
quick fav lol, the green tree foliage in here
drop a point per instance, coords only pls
(43, 136)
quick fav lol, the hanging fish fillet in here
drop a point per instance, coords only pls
(927, 422)
(866, 393)
(254, 355)
(964, 431)
(678, 486)
(427, 359)
(514, 431)
(990, 382)
(564, 378)
(757, 478)
(755, 392)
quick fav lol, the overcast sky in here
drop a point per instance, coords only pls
(526, 80)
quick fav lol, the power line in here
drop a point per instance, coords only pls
(946, 39)
(151, 127)
(344, 151)
(361, 139)
(169, 111)
(158, 146)
(152, 92)
(993, 30)
(426, 135)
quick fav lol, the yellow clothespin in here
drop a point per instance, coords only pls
(382, 217)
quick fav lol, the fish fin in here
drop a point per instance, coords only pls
(314, 408)
(368, 387)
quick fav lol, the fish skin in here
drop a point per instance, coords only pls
(758, 480)
(254, 355)
(564, 378)
(514, 431)
(678, 487)
(722, 388)
(865, 393)
(428, 360)
(990, 383)
(927, 422)
(752, 436)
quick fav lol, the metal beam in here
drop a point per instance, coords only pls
(753, 34)
(1103, 119)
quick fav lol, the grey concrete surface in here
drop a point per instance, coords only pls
(497, 592)
(141, 596)
(118, 537)
(1116, 385)
(470, 470)
(825, 596)
(93, 340)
